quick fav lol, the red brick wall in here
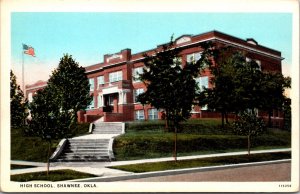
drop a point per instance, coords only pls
(80, 116)
(91, 118)
(33, 88)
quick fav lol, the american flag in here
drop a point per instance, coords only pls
(28, 50)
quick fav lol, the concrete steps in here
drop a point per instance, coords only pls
(108, 128)
(85, 150)
(93, 147)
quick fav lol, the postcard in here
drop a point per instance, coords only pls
(144, 96)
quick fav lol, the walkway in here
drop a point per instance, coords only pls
(99, 168)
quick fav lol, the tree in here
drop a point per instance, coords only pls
(222, 96)
(273, 86)
(240, 85)
(47, 120)
(287, 114)
(170, 86)
(70, 86)
(18, 105)
(54, 109)
(249, 125)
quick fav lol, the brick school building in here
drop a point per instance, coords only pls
(114, 86)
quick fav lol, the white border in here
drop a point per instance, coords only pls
(8, 6)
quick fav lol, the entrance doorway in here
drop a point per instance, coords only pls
(111, 103)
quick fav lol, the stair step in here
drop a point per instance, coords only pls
(88, 147)
(72, 155)
(88, 140)
(85, 150)
(88, 143)
(108, 128)
(91, 149)
(93, 158)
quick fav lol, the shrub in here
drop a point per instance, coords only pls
(250, 126)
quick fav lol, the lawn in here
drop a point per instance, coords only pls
(181, 164)
(150, 140)
(55, 175)
(34, 148)
(204, 136)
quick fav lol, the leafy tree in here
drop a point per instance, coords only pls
(273, 86)
(222, 97)
(287, 114)
(54, 109)
(47, 120)
(18, 105)
(70, 85)
(240, 85)
(249, 125)
(169, 85)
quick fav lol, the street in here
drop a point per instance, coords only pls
(270, 172)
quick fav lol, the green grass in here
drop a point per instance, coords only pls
(195, 126)
(171, 165)
(17, 166)
(79, 129)
(205, 136)
(29, 148)
(34, 148)
(55, 175)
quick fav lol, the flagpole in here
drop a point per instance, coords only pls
(23, 79)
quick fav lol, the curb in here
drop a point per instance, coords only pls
(175, 172)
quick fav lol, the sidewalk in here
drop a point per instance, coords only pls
(99, 168)
(195, 157)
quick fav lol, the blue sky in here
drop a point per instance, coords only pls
(88, 36)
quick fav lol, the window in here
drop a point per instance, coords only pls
(92, 84)
(100, 80)
(193, 58)
(136, 93)
(136, 73)
(202, 82)
(91, 106)
(115, 76)
(30, 97)
(152, 114)
(139, 115)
